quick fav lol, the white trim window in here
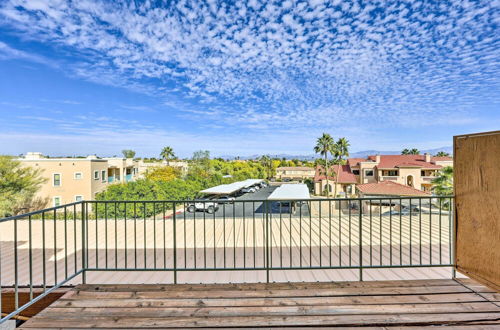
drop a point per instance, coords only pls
(78, 175)
(96, 175)
(57, 179)
(103, 176)
(57, 201)
(368, 172)
(78, 198)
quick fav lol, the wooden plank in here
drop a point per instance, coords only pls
(477, 205)
(292, 301)
(272, 293)
(8, 300)
(262, 321)
(197, 311)
(263, 286)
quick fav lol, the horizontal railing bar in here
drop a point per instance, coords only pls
(24, 215)
(273, 201)
(264, 268)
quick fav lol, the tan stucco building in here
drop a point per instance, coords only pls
(74, 179)
(415, 171)
(144, 166)
(295, 173)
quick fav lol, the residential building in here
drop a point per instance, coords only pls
(416, 171)
(74, 179)
(122, 169)
(144, 166)
(388, 188)
(295, 173)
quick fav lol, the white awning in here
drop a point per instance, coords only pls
(226, 189)
(290, 192)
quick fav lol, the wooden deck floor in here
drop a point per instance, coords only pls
(378, 305)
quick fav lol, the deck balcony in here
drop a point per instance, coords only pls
(129, 264)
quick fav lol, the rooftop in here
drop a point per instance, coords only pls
(389, 188)
(343, 174)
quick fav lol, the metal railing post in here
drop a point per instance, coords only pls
(175, 243)
(266, 209)
(360, 240)
(84, 253)
(452, 216)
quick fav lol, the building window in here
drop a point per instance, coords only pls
(57, 180)
(422, 173)
(355, 172)
(369, 173)
(57, 201)
(103, 176)
(393, 173)
(78, 175)
(96, 175)
(78, 198)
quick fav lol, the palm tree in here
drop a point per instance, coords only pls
(324, 145)
(443, 183)
(267, 163)
(413, 151)
(442, 154)
(167, 153)
(339, 151)
(443, 186)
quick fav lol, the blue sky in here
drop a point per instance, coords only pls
(245, 77)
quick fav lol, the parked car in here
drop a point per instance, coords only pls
(226, 199)
(404, 211)
(248, 190)
(205, 205)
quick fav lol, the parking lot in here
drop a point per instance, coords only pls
(248, 206)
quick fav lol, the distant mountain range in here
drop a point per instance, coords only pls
(358, 154)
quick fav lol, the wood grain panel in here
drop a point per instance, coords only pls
(477, 205)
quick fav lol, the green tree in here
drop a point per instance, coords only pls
(324, 145)
(443, 183)
(442, 154)
(340, 150)
(167, 154)
(163, 173)
(128, 153)
(18, 186)
(413, 151)
(267, 164)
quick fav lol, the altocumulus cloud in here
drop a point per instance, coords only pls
(282, 63)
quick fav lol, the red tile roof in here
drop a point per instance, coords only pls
(355, 161)
(395, 161)
(389, 188)
(343, 174)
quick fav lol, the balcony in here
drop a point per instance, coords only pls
(111, 179)
(389, 178)
(128, 177)
(428, 179)
(117, 244)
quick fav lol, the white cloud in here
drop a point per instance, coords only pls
(292, 64)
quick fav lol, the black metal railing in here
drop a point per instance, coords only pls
(44, 250)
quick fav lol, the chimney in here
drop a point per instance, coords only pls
(427, 157)
(377, 158)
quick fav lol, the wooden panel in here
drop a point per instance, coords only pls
(8, 300)
(477, 205)
(375, 305)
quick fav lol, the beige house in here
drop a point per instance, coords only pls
(122, 169)
(75, 179)
(143, 166)
(295, 173)
(415, 171)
